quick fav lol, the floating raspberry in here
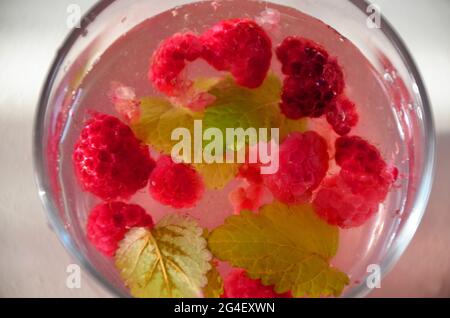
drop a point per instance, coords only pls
(301, 57)
(370, 186)
(363, 168)
(303, 164)
(239, 285)
(108, 223)
(357, 155)
(125, 102)
(169, 61)
(302, 98)
(342, 116)
(175, 184)
(241, 47)
(109, 161)
(336, 204)
(251, 172)
(313, 79)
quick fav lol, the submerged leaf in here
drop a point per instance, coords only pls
(170, 260)
(289, 247)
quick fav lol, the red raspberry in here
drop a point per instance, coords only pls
(336, 204)
(109, 161)
(251, 172)
(175, 184)
(238, 285)
(169, 60)
(301, 57)
(363, 168)
(342, 116)
(302, 98)
(109, 222)
(357, 155)
(313, 79)
(241, 47)
(303, 164)
(370, 186)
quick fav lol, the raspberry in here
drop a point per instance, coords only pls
(109, 222)
(301, 57)
(302, 98)
(125, 102)
(175, 184)
(238, 285)
(363, 168)
(303, 164)
(357, 155)
(342, 116)
(336, 204)
(109, 161)
(251, 172)
(241, 47)
(313, 79)
(169, 60)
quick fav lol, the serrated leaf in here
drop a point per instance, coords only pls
(239, 107)
(214, 288)
(170, 260)
(234, 107)
(289, 247)
(157, 121)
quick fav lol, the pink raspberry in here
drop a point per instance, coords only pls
(238, 285)
(175, 184)
(342, 116)
(109, 222)
(357, 155)
(241, 47)
(109, 161)
(363, 168)
(313, 79)
(303, 164)
(338, 205)
(169, 61)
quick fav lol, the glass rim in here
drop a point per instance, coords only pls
(394, 252)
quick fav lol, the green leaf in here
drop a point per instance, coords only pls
(289, 125)
(157, 121)
(170, 260)
(289, 247)
(239, 107)
(217, 175)
(214, 288)
(234, 107)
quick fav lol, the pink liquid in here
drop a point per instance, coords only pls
(127, 61)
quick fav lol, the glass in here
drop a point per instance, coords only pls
(388, 56)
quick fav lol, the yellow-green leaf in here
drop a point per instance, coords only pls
(158, 120)
(289, 247)
(239, 107)
(214, 288)
(217, 175)
(170, 260)
(289, 125)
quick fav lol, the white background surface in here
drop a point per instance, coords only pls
(33, 262)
